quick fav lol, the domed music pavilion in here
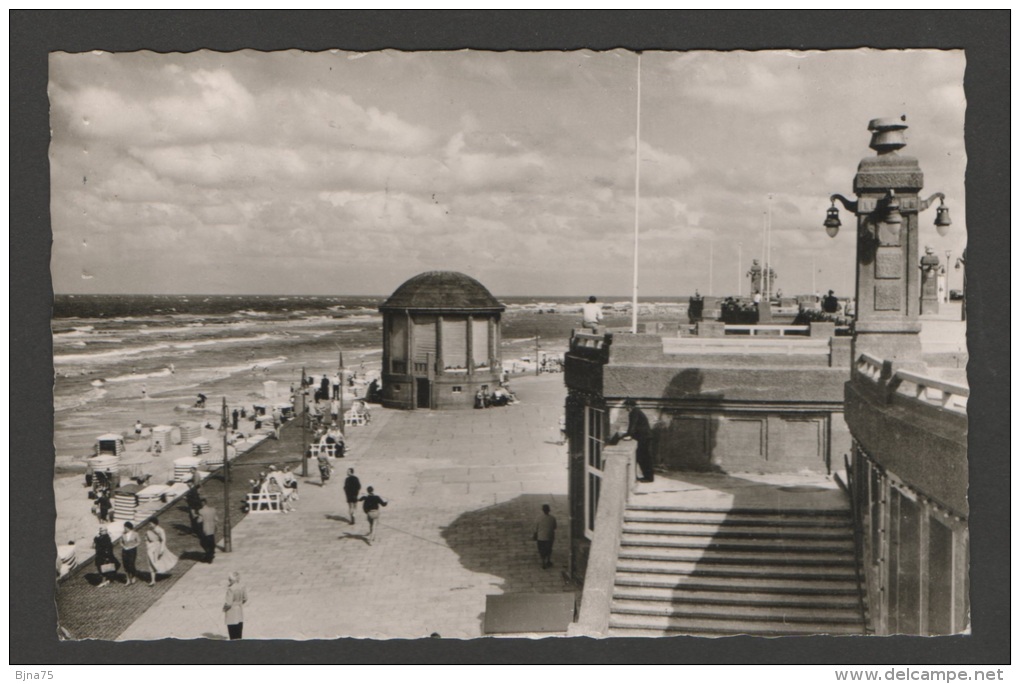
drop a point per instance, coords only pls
(441, 340)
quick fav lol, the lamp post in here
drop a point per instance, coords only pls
(538, 368)
(304, 424)
(340, 372)
(887, 209)
(227, 546)
(949, 260)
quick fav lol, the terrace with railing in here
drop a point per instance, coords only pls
(921, 389)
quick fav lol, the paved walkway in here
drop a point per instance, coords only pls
(464, 489)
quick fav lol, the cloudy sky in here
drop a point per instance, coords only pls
(345, 173)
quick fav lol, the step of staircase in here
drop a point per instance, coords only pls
(710, 571)
(726, 518)
(748, 582)
(758, 546)
(735, 572)
(750, 613)
(749, 531)
(743, 598)
(725, 512)
(653, 625)
(805, 561)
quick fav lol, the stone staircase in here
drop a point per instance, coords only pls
(713, 572)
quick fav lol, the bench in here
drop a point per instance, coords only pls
(264, 502)
(355, 419)
(330, 449)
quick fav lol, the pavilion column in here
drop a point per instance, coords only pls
(387, 326)
(470, 345)
(409, 356)
(493, 342)
(440, 361)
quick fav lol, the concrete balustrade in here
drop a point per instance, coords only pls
(600, 576)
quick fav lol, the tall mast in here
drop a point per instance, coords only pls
(637, 198)
(768, 264)
(711, 262)
(740, 260)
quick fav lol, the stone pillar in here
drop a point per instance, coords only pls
(888, 281)
(929, 282)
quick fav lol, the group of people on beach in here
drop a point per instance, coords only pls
(160, 559)
(501, 396)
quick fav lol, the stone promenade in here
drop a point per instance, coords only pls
(464, 489)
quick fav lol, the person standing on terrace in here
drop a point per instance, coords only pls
(591, 315)
(640, 430)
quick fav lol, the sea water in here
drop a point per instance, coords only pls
(122, 358)
(118, 359)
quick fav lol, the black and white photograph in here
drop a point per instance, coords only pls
(509, 343)
(527, 346)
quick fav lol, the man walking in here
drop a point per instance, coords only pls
(352, 488)
(338, 382)
(193, 498)
(371, 508)
(545, 533)
(207, 532)
(639, 429)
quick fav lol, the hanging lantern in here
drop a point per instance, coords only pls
(942, 220)
(832, 222)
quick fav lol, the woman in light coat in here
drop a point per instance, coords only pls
(233, 605)
(161, 560)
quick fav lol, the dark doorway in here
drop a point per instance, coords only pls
(424, 393)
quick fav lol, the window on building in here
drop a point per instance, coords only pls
(454, 343)
(398, 337)
(457, 389)
(594, 441)
(480, 342)
(424, 336)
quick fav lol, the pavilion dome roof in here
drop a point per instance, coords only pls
(442, 291)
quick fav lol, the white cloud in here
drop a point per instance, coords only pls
(496, 164)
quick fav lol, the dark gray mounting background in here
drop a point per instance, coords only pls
(985, 37)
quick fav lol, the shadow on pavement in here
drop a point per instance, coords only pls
(347, 535)
(497, 540)
(338, 518)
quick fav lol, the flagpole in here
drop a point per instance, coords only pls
(768, 267)
(711, 263)
(764, 233)
(637, 198)
(740, 260)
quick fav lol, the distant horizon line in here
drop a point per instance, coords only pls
(626, 297)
